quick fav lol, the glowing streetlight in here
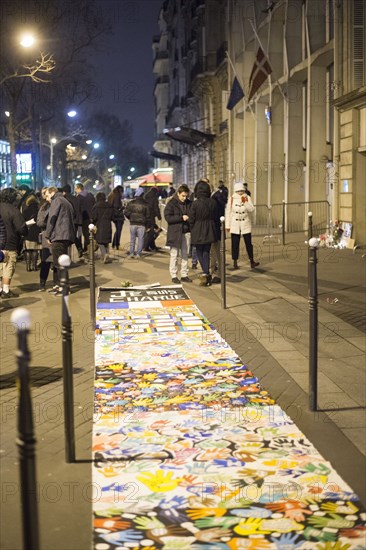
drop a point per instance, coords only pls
(111, 157)
(89, 141)
(132, 169)
(96, 145)
(72, 113)
(27, 41)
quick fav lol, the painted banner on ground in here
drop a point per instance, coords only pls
(190, 452)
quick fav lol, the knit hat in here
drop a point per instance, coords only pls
(238, 186)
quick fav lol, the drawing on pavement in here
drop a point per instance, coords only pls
(190, 451)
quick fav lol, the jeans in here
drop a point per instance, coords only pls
(117, 234)
(139, 232)
(203, 255)
(183, 253)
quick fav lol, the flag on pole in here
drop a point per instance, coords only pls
(260, 72)
(236, 94)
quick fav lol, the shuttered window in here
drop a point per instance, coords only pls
(359, 45)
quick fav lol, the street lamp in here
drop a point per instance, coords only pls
(72, 113)
(27, 40)
(53, 141)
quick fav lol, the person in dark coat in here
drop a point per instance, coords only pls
(102, 216)
(66, 191)
(115, 200)
(178, 239)
(31, 244)
(152, 200)
(15, 229)
(85, 202)
(138, 213)
(46, 254)
(60, 230)
(202, 219)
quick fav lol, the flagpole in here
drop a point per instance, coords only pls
(267, 56)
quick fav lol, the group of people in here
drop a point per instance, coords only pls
(43, 226)
(40, 227)
(194, 225)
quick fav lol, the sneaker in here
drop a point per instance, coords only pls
(175, 280)
(186, 280)
(42, 288)
(55, 290)
(9, 294)
(57, 293)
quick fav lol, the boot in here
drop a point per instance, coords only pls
(203, 280)
(236, 264)
(253, 264)
(27, 257)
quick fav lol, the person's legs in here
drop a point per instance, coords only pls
(194, 257)
(203, 255)
(173, 262)
(186, 243)
(215, 257)
(235, 244)
(58, 248)
(8, 267)
(103, 251)
(249, 248)
(45, 268)
(133, 235)
(85, 230)
(140, 237)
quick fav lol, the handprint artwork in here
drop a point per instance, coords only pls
(192, 453)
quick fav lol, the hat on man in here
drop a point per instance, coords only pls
(24, 187)
(238, 186)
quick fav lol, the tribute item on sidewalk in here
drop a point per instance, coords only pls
(190, 451)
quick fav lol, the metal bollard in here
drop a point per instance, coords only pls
(67, 362)
(223, 263)
(313, 324)
(92, 230)
(26, 439)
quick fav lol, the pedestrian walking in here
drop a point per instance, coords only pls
(176, 213)
(138, 214)
(102, 216)
(238, 222)
(115, 200)
(202, 219)
(73, 200)
(15, 230)
(60, 231)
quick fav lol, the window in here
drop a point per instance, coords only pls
(329, 111)
(359, 45)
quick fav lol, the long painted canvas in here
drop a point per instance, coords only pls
(191, 452)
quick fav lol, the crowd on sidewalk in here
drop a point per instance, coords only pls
(39, 227)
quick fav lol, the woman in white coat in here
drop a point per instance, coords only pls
(238, 221)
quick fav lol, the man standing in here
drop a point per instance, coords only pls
(60, 231)
(138, 213)
(178, 239)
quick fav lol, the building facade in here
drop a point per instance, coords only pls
(299, 137)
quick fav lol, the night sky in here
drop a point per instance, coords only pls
(123, 65)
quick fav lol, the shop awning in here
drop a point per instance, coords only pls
(155, 179)
(166, 156)
(189, 136)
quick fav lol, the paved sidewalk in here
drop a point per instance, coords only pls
(266, 323)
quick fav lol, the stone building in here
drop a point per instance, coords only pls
(298, 135)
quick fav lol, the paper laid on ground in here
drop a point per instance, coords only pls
(190, 450)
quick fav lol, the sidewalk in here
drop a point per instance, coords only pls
(266, 323)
